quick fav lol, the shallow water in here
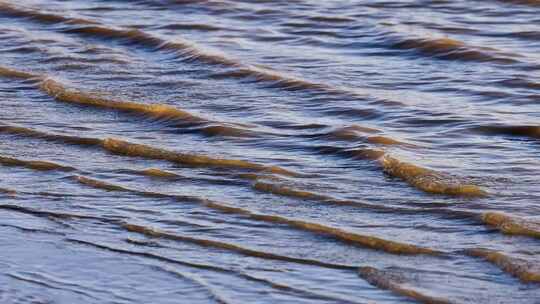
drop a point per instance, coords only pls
(269, 151)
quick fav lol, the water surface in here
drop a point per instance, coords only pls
(269, 151)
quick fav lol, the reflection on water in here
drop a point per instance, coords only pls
(269, 151)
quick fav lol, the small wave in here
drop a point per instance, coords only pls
(348, 237)
(521, 131)
(186, 50)
(525, 271)
(351, 153)
(350, 132)
(511, 225)
(391, 281)
(281, 187)
(384, 140)
(227, 246)
(275, 78)
(61, 93)
(356, 133)
(190, 51)
(154, 172)
(99, 184)
(151, 172)
(46, 214)
(42, 17)
(424, 179)
(446, 48)
(125, 148)
(21, 131)
(367, 241)
(429, 180)
(226, 131)
(366, 154)
(121, 147)
(33, 164)
(286, 191)
(92, 28)
(10, 73)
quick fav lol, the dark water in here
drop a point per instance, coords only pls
(293, 151)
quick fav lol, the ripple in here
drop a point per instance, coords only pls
(525, 271)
